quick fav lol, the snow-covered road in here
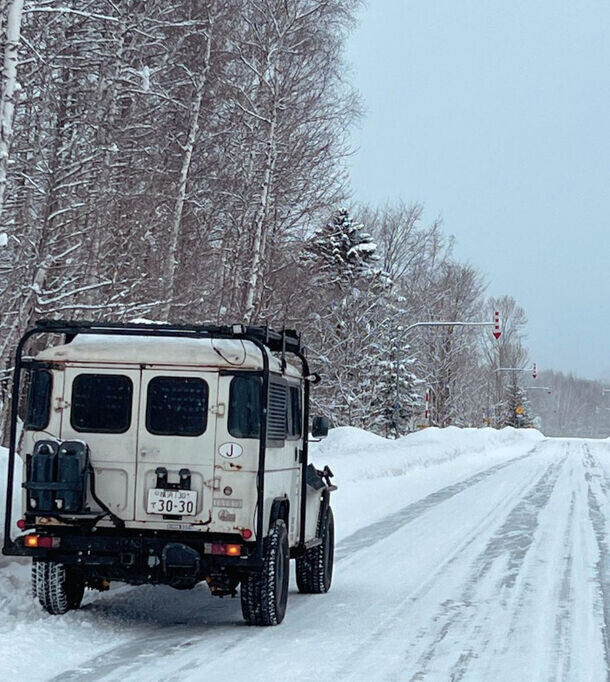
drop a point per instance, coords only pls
(485, 557)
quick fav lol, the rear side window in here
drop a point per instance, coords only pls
(245, 407)
(101, 403)
(39, 401)
(294, 415)
(177, 406)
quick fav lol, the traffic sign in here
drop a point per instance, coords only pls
(519, 410)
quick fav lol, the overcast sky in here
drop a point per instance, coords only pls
(496, 116)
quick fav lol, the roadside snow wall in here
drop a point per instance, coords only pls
(358, 455)
(377, 476)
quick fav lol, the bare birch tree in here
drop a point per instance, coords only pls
(10, 11)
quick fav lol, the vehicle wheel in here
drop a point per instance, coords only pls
(315, 567)
(57, 588)
(264, 594)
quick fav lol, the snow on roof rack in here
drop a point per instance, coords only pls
(286, 340)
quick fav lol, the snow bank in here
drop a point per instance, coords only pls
(377, 476)
(15, 602)
(16, 489)
(354, 454)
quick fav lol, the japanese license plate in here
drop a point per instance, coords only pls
(179, 502)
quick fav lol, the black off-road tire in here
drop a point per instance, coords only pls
(315, 567)
(264, 594)
(57, 588)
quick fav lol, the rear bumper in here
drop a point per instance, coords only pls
(136, 558)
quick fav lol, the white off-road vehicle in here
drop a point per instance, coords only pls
(172, 455)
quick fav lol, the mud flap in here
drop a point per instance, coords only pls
(317, 479)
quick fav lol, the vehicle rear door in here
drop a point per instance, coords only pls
(176, 446)
(100, 407)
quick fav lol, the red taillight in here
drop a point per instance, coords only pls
(246, 533)
(44, 541)
(21, 524)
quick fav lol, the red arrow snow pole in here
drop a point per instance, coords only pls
(496, 332)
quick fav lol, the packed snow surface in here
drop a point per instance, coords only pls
(461, 554)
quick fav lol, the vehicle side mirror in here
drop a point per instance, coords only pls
(319, 427)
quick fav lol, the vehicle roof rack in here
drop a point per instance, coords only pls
(286, 340)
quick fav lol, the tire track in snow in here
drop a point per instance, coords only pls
(596, 474)
(546, 550)
(143, 648)
(563, 619)
(369, 535)
(397, 614)
(159, 642)
(509, 544)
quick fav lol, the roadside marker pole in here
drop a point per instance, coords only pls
(497, 332)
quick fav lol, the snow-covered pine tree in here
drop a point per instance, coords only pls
(395, 400)
(342, 253)
(518, 413)
(355, 324)
(343, 317)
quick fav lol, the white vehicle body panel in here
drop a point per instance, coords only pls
(195, 453)
(113, 457)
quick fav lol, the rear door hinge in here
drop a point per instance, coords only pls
(61, 404)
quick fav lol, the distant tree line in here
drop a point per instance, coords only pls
(180, 160)
(573, 406)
